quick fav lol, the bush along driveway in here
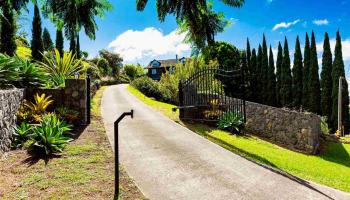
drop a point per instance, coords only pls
(168, 161)
(85, 169)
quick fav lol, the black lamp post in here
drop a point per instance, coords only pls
(116, 151)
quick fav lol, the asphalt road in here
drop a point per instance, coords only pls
(168, 161)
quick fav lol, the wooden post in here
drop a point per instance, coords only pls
(340, 107)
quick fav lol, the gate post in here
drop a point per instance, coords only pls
(88, 99)
(181, 100)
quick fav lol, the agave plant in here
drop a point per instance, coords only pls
(49, 137)
(58, 66)
(8, 70)
(231, 121)
(29, 73)
(21, 134)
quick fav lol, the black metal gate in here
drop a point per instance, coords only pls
(209, 93)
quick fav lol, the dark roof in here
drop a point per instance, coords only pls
(168, 63)
(165, 63)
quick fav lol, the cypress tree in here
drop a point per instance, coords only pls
(259, 82)
(252, 66)
(306, 69)
(297, 71)
(37, 42)
(48, 44)
(248, 75)
(8, 30)
(326, 80)
(249, 53)
(339, 71)
(264, 72)
(59, 41)
(314, 81)
(278, 73)
(286, 78)
(271, 81)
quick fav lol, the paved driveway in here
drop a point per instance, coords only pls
(168, 161)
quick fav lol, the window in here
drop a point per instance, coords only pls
(155, 64)
(154, 72)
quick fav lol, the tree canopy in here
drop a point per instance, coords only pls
(194, 17)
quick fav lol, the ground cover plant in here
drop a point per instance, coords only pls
(331, 167)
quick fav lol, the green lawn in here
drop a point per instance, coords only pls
(331, 167)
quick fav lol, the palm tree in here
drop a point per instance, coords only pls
(196, 16)
(76, 14)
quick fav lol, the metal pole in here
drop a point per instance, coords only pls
(340, 106)
(116, 151)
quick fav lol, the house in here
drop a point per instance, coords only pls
(156, 68)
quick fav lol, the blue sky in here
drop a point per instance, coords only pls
(140, 37)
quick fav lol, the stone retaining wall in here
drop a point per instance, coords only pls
(73, 96)
(295, 130)
(10, 101)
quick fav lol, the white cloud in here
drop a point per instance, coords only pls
(345, 48)
(285, 24)
(320, 22)
(143, 46)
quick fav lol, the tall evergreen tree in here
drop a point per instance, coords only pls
(8, 29)
(264, 71)
(326, 80)
(259, 82)
(306, 72)
(48, 44)
(314, 80)
(253, 66)
(59, 41)
(271, 81)
(297, 71)
(286, 78)
(278, 73)
(249, 53)
(37, 41)
(339, 71)
(248, 72)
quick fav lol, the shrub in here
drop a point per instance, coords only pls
(21, 134)
(231, 121)
(67, 114)
(48, 137)
(133, 71)
(151, 88)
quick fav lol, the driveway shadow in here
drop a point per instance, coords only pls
(336, 152)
